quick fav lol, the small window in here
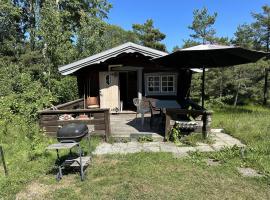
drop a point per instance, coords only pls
(108, 79)
(168, 83)
(160, 84)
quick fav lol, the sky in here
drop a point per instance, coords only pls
(173, 17)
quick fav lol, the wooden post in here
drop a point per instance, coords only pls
(203, 92)
(204, 128)
(167, 124)
(3, 160)
(139, 84)
(107, 125)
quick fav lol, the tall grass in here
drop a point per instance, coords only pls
(250, 124)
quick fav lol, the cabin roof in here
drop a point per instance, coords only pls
(128, 47)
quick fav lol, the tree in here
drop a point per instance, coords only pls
(244, 36)
(11, 32)
(149, 36)
(190, 43)
(115, 35)
(202, 25)
(262, 30)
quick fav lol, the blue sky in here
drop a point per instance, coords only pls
(173, 17)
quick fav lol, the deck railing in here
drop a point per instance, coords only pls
(98, 118)
(172, 115)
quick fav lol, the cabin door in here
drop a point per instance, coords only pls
(109, 90)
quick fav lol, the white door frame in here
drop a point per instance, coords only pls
(139, 71)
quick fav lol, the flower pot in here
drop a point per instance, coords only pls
(92, 102)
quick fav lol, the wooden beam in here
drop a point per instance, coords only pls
(204, 129)
(167, 125)
(107, 125)
(90, 110)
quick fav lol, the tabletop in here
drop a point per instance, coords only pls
(167, 104)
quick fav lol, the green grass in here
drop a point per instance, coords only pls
(145, 175)
(155, 176)
(251, 125)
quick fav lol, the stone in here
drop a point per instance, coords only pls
(185, 149)
(205, 148)
(168, 148)
(248, 172)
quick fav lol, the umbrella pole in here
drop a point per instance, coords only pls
(202, 91)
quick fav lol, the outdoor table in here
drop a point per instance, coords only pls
(162, 104)
(79, 161)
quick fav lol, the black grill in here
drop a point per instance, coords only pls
(74, 132)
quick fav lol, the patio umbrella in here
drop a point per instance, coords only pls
(210, 56)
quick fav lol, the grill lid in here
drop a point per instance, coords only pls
(72, 131)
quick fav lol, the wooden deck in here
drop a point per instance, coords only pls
(121, 125)
(126, 126)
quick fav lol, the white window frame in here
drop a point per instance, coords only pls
(161, 85)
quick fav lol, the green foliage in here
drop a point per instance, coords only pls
(262, 28)
(65, 89)
(202, 25)
(149, 36)
(145, 138)
(194, 138)
(175, 135)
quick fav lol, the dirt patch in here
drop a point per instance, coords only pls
(33, 191)
(249, 172)
(37, 190)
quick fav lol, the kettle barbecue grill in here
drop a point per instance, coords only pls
(69, 137)
(72, 132)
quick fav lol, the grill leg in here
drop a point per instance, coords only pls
(81, 164)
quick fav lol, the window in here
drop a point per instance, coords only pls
(160, 84)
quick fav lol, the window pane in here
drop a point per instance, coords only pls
(164, 89)
(156, 78)
(150, 78)
(164, 84)
(170, 89)
(170, 78)
(156, 83)
(156, 89)
(164, 78)
(170, 83)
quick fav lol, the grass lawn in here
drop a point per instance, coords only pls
(153, 175)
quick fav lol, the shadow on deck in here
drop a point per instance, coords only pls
(127, 126)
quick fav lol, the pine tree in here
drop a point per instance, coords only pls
(149, 36)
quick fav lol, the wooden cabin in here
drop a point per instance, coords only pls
(110, 80)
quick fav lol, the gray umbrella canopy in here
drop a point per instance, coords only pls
(210, 56)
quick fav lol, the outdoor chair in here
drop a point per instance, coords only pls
(156, 114)
(142, 108)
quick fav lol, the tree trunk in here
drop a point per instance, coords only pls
(236, 95)
(221, 84)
